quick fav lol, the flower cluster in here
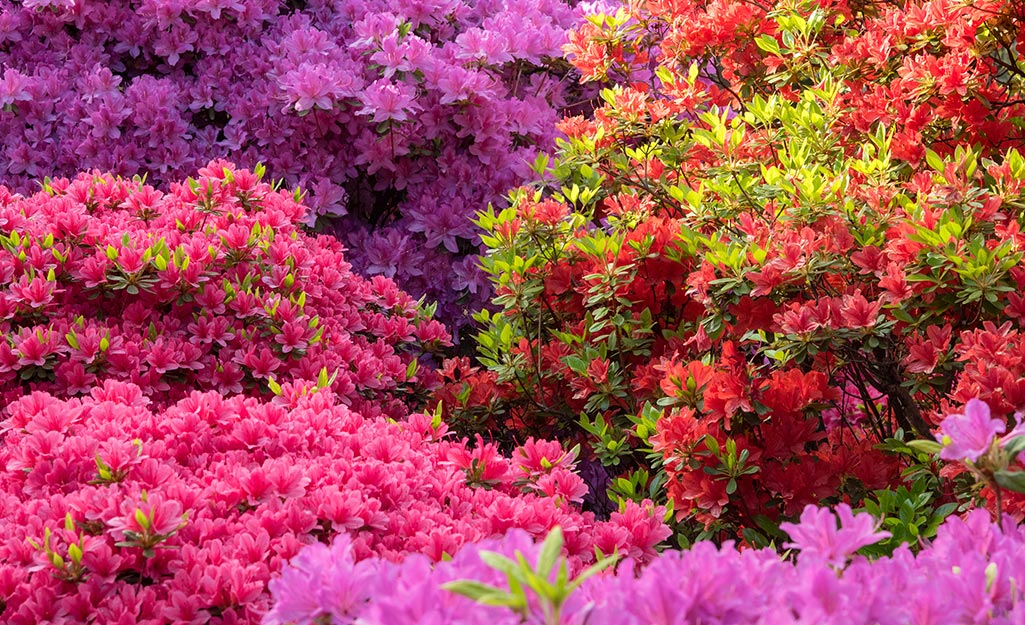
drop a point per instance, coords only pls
(993, 466)
(405, 117)
(931, 71)
(967, 575)
(210, 285)
(112, 511)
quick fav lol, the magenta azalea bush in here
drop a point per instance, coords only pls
(114, 511)
(969, 575)
(406, 117)
(209, 285)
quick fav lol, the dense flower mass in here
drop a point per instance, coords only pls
(209, 285)
(763, 302)
(407, 117)
(788, 241)
(967, 576)
(112, 511)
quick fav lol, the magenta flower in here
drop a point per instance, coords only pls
(322, 581)
(968, 436)
(819, 538)
(387, 101)
(310, 87)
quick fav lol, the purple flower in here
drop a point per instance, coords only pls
(819, 538)
(387, 101)
(310, 87)
(968, 436)
(323, 581)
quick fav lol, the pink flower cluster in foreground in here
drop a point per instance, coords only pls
(211, 285)
(112, 511)
(407, 117)
(969, 575)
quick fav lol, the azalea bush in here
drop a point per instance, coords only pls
(404, 118)
(209, 284)
(935, 73)
(968, 575)
(113, 510)
(752, 273)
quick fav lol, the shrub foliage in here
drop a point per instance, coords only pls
(209, 285)
(788, 236)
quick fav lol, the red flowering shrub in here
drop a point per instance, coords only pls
(211, 285)
(935, 73)
(732, 284)
(112, 511)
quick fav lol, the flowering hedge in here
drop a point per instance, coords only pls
(753, 266)
(209, 285)
(968, 575)
(406, 117)
(113, 511)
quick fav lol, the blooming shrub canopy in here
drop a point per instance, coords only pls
(113, 511)
(209, 285)
(968, 575)
(754, 265)
(407, 117)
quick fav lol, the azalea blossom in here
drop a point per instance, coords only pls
(819, 536)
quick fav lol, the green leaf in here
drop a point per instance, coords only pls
(1015, 446)
(551, 549)
(926, 446)
(472, 590)
(576, 364)
(502, 563)
(934, 160)
(1011, 480)
(768, 44)
(593, 570)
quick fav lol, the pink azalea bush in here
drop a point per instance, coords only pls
(211, 284)
(969, 575)
(406, 117)
(115, 511)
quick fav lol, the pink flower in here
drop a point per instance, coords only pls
(292, 337)
(969, 435)
(819, 537)
(34, 348)
(35, 292)
(323, 581)
(388, 101)
(153, 517)
(310, 87)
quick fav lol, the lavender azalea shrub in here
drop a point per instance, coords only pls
(401, 117)
(971, 573)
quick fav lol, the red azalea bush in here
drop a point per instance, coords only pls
(403, 117)
(731, 289)
(935, 73)
(209, 285)
(114, 511)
